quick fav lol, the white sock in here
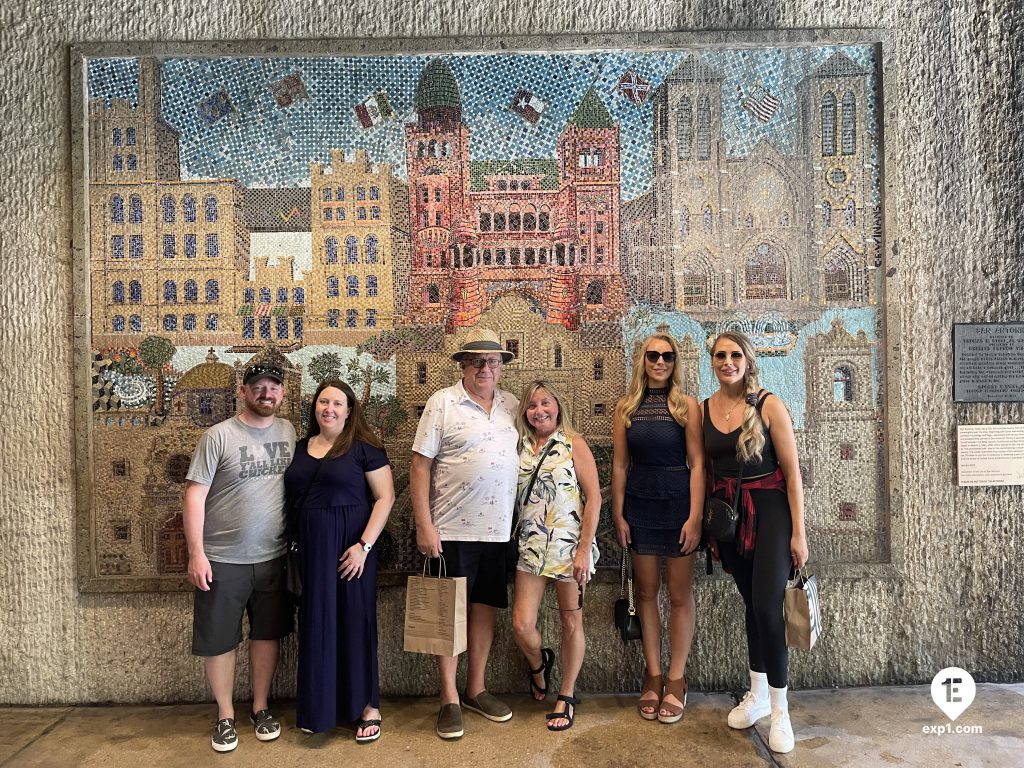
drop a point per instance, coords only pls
(780, 702)
(759, 685)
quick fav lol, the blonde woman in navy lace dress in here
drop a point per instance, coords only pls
(657, 503)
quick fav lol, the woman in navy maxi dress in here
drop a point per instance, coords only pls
(340, 517)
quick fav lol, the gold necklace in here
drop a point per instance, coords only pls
(734, 406)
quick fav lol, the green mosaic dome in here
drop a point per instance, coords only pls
(591, 113)
(437, 87)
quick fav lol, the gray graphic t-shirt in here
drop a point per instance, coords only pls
(244, 468)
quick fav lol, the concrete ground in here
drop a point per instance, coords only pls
(850, 727)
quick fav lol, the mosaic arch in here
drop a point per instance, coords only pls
(357, 215)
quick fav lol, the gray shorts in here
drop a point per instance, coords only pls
(258, 590)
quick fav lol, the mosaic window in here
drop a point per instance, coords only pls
(371, 285)
(117, 292)
(684, 128)
(188, 209)
(169, 209)
(135, 324)
(297, 327)
(332, 250)
(849, 124)
(135, 209)
(371, 318)
(299, 296)
(351, 318)
(212, 245)
(353, 285)
(118, 324)
(170, 292)
(134, 292)
(170, 247)
(189, 246)
(131, 162)
(828, 125)
(371, 249)
(117, 247)
(188, 322)
(351, 250)
(117, 209)
(115, 138)
(703, 128)
(766, 274)
(332, 287)
(130, 137)
(842, 384)
(191, 291)
(135, 246)
(212, 291)
(210, 209)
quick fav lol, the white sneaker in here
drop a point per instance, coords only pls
(780, 737)
(749, 711)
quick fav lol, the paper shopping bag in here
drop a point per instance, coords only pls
(435, 614)
(803, 612)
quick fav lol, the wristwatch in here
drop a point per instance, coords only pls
(366, 547)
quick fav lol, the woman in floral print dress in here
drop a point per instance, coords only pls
(558, 516)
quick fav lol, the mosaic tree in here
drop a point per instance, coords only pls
(156, 352)
(325, 366)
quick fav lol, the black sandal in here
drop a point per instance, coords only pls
(569, 714)
(547, 662)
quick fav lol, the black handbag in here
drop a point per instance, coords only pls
(722, 519)
(626, 620)
(293, 559)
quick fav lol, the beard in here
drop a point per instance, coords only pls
(262, 409)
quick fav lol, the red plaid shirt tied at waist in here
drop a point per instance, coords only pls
(776, 481)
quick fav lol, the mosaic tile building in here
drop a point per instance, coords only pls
(767, 232)
(544, 229)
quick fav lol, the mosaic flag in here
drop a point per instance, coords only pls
(374, 110)
(634, 87)
(289, 89)
(759, 102)
(214, 107)
(527, 106)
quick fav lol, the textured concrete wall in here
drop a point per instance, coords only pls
(953, 595)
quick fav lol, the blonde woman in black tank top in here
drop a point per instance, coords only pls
(747, 425)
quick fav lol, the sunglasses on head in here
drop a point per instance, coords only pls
(652, 356)
(734, 355)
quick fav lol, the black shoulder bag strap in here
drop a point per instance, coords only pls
(533, 477)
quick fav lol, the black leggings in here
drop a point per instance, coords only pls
(761, 581)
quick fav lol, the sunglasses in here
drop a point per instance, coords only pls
(652, 356)
(736, 355)
(480, 362)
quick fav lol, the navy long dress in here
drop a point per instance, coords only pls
(338, 673)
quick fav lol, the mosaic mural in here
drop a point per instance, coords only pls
(355, 216)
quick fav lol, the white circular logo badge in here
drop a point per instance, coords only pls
(953, 691)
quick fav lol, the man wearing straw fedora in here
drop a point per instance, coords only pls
(463, 484)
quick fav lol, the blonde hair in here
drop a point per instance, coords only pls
(564, 417)
(750, 444)
(638, 384)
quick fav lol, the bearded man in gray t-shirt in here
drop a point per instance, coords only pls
(234, 527)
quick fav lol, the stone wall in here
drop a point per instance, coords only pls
(954, 159)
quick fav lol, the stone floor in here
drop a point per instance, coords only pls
(850, 727)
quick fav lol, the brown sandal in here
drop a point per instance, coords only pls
(651, 683)
(678, 689)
